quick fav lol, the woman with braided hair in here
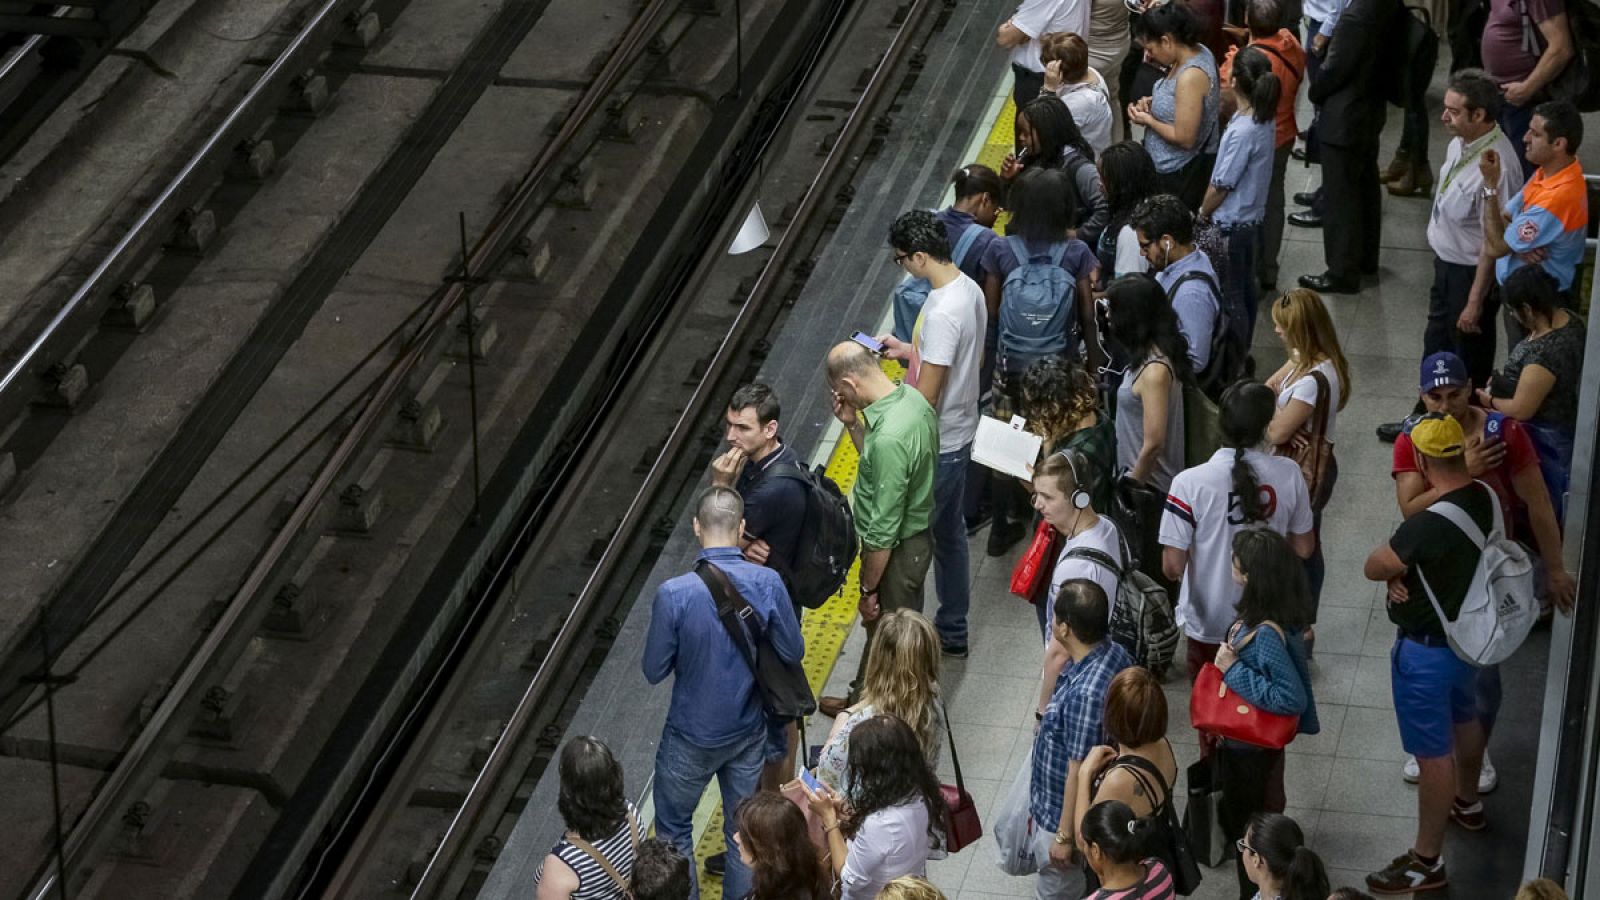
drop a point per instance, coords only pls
(1240, 486)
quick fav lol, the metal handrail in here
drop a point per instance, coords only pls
(495, 767)
(230, 132)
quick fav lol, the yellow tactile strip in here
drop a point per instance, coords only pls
(826, 627)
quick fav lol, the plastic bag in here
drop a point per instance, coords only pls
(1015, 838)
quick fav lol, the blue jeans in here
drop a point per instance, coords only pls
(951, 570)
(1240, 287)
(682, 772)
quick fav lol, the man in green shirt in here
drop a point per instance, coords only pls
(896, 433)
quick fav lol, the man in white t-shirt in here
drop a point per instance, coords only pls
(944, 356)
(1020, 36)
(1204, 512)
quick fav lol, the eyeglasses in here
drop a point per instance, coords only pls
(1243, 847)
(900, 258)
(1145, 245)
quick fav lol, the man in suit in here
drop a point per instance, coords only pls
(1349, 89)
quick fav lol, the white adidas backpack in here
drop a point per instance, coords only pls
(1500, 607)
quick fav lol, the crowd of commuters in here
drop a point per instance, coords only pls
(1115, 312)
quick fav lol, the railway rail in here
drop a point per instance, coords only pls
(549, 459)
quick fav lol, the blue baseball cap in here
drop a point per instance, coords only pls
(1444, 369)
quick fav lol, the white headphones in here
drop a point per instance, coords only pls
(1080, 497)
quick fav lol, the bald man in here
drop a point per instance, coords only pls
(896, 432)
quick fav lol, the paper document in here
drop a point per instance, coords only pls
(1006, 448)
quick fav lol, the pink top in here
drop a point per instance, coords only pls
(1156, 885)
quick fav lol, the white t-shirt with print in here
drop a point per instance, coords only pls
(1202, 516)
(950, 333)
(1103, 537)
(1305, 388)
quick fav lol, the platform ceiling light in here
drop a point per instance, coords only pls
(752, 234)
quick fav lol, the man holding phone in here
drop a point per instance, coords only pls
(944, 356)
(896, 432)
(1500, 454)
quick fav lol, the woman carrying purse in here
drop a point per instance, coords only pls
(1264, 662)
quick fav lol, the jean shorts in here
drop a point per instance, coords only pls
(1434, 690)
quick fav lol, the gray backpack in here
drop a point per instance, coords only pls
(1037, 306)
(1141, 615)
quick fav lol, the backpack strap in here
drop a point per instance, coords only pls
(1281, 58)
(1019, 249)
(964, 244)
(602, 862)
(1098, 557)
(1196, 274)
(1058, 254)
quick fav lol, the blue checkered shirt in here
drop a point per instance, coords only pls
(1073, 724)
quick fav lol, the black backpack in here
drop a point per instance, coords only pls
(1411, 39)
(827, 543)
(1228, 354)
(1579, 82)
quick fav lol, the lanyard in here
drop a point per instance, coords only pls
(1469, 155)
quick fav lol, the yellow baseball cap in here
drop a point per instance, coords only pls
(1438, 436)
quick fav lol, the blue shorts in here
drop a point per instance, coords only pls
(777, 745)
(1434, 690)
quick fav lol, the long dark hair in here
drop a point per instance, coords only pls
(1530, 291)
(1127, 176)
(1044, 206)
(1275, 586)
(1245, 411)
(774, 833)
(1175, 19)
(591, 802)
(1055, 129)
(886, 768)
(1142, 321)
(1280, 843)
(1253, 71)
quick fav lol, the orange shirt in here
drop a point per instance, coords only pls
(1289, 64)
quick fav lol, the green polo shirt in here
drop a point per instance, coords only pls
(894, 486)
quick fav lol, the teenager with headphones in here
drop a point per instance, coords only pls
(1062, 493)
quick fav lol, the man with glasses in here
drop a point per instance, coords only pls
(1164, 228)
(943, 361)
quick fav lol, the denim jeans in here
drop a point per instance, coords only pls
(1240, 288)
(951, 569)
(682, 772)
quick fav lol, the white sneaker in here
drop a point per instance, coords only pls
(1410, 771)
(1488, 778)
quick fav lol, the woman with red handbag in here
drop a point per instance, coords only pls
(1263, 666)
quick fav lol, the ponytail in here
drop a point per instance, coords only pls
(1307, 878)
(1246, 409)
(1123, 837)
(976, 178)
(1255, 77)
(1264, 98)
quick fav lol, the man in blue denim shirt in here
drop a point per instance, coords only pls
(716, 725)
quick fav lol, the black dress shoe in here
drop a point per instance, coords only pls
(1305, 218)
(1328, 284)
(1305, 198)
(1388, 431)
(717, 864)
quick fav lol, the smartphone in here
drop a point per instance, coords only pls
(867, 341)
(811, 781)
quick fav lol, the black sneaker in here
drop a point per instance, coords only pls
(1389, 431)
(954, 651)
(717, 863)
(1407, 875)
(1003, 539)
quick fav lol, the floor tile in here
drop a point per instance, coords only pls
(1332, 675)
(1372, 688)
(1340, 630)
(979, 699)
(1331, 717)
(1364, 785)
(1363, 842)
(1373, 734)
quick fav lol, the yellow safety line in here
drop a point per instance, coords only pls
(826, 628)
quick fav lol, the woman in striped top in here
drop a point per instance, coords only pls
(1116, 844)
(594, 858)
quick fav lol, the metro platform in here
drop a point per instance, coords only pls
(1343, 785)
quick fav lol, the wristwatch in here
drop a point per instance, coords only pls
(1489, 193)
(1062, 839)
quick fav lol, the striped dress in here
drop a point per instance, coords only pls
(1155, 885)
(593, 882)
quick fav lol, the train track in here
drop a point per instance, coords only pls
(161, 751)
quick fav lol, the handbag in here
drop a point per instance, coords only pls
(961, 823)
(1171, 841)
(1033, 569)
(622, 884)
(1314, 452)
(785, 692)
(1214, 708)
(1202, 818)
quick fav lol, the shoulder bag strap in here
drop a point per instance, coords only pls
(600, 859)
(731, 609)
(964, 244)
(1141, 769)
(955, 758)
(1281, 58)
(1319, 413)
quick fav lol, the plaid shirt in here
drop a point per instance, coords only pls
(1073, 724)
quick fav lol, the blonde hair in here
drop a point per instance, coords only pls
(903, 674)
(910, 887)
(1309, 331)
(1537, 889)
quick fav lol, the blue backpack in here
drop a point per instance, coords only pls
(911, 293)
(1037, 305)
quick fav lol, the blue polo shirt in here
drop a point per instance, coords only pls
(714, 696)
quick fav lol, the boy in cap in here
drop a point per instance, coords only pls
(1434, 690)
